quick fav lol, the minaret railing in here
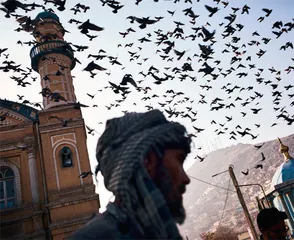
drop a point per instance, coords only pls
(50, 46)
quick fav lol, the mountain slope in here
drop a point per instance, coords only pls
(205, 203)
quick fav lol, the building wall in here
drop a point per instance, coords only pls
(25, 219)
(71, 202)
(70, 198)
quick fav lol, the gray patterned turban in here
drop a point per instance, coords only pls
(120, 153)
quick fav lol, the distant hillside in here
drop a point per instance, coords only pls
(204, 203)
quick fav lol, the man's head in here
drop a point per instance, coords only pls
(140, 156)
(170, 177)
(271, 223)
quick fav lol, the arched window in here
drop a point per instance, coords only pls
(7, 188)
(66, 157)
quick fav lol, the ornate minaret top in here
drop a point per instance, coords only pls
(53, 59)
(285, 151)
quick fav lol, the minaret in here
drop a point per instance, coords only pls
(285, 151)
(53, 59)
(70, 200)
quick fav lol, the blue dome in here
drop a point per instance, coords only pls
(284, 173)
(47, 15)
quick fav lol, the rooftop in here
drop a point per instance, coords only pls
(47, 14)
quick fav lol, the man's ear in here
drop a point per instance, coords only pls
(150, 163)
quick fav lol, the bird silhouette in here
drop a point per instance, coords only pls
(128, 78)
(86, 26)
(246, 172)
(262, 157)
(267, 11)
(259, 166)
(212, 10)
(93, 66)
(85, 174)
(64, 121)
(258, 146)
(90, 130)
(201, 158)
(115, 7)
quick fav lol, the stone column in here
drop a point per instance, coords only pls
(33, 174)
(289, 197)
(289, 220)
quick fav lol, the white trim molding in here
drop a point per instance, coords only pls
(66, 136)
(33, 176)
(55, 155)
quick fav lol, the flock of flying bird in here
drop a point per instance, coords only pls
(236, 50)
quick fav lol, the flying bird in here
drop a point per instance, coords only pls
(128, 78)
(85, 174)
(267, 11)
(93, 66)
(258, 146)
(262, 157)
(246, 172)
(64, 121)
(201, 158)
(86, 26)
(212, 10)
(90, 130)
(259, 166)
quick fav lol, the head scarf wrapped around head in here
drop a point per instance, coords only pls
(120, 153)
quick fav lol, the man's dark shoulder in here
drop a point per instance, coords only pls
(102, 226)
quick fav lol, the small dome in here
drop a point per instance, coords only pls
(45, 14)
(284, 173)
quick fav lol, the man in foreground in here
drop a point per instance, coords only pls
(141, 157)
(271, 223)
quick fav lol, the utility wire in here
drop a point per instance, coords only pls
(225, 204)
(211, 184)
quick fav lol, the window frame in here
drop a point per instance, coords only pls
(61, 153)
(4, 181)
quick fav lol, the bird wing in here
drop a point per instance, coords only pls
(77, 60)
(263, 157)
(82, 174)
(83, 25)
(51, 117)
(139, 20)
(131, 81)
(177, 52)
(90, 129)
(128, 78)
(150, 21)
(94, 27)
(22, 19)
(266, 10)
(210, 9)
(113, 85)
(98, 67)
(61, 97)
(80, 104)
(125, 79)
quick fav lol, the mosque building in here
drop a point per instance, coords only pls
(281, 192)
(44, 152)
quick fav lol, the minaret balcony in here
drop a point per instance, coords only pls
(44, 48)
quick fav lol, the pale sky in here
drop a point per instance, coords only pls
(109, 38)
